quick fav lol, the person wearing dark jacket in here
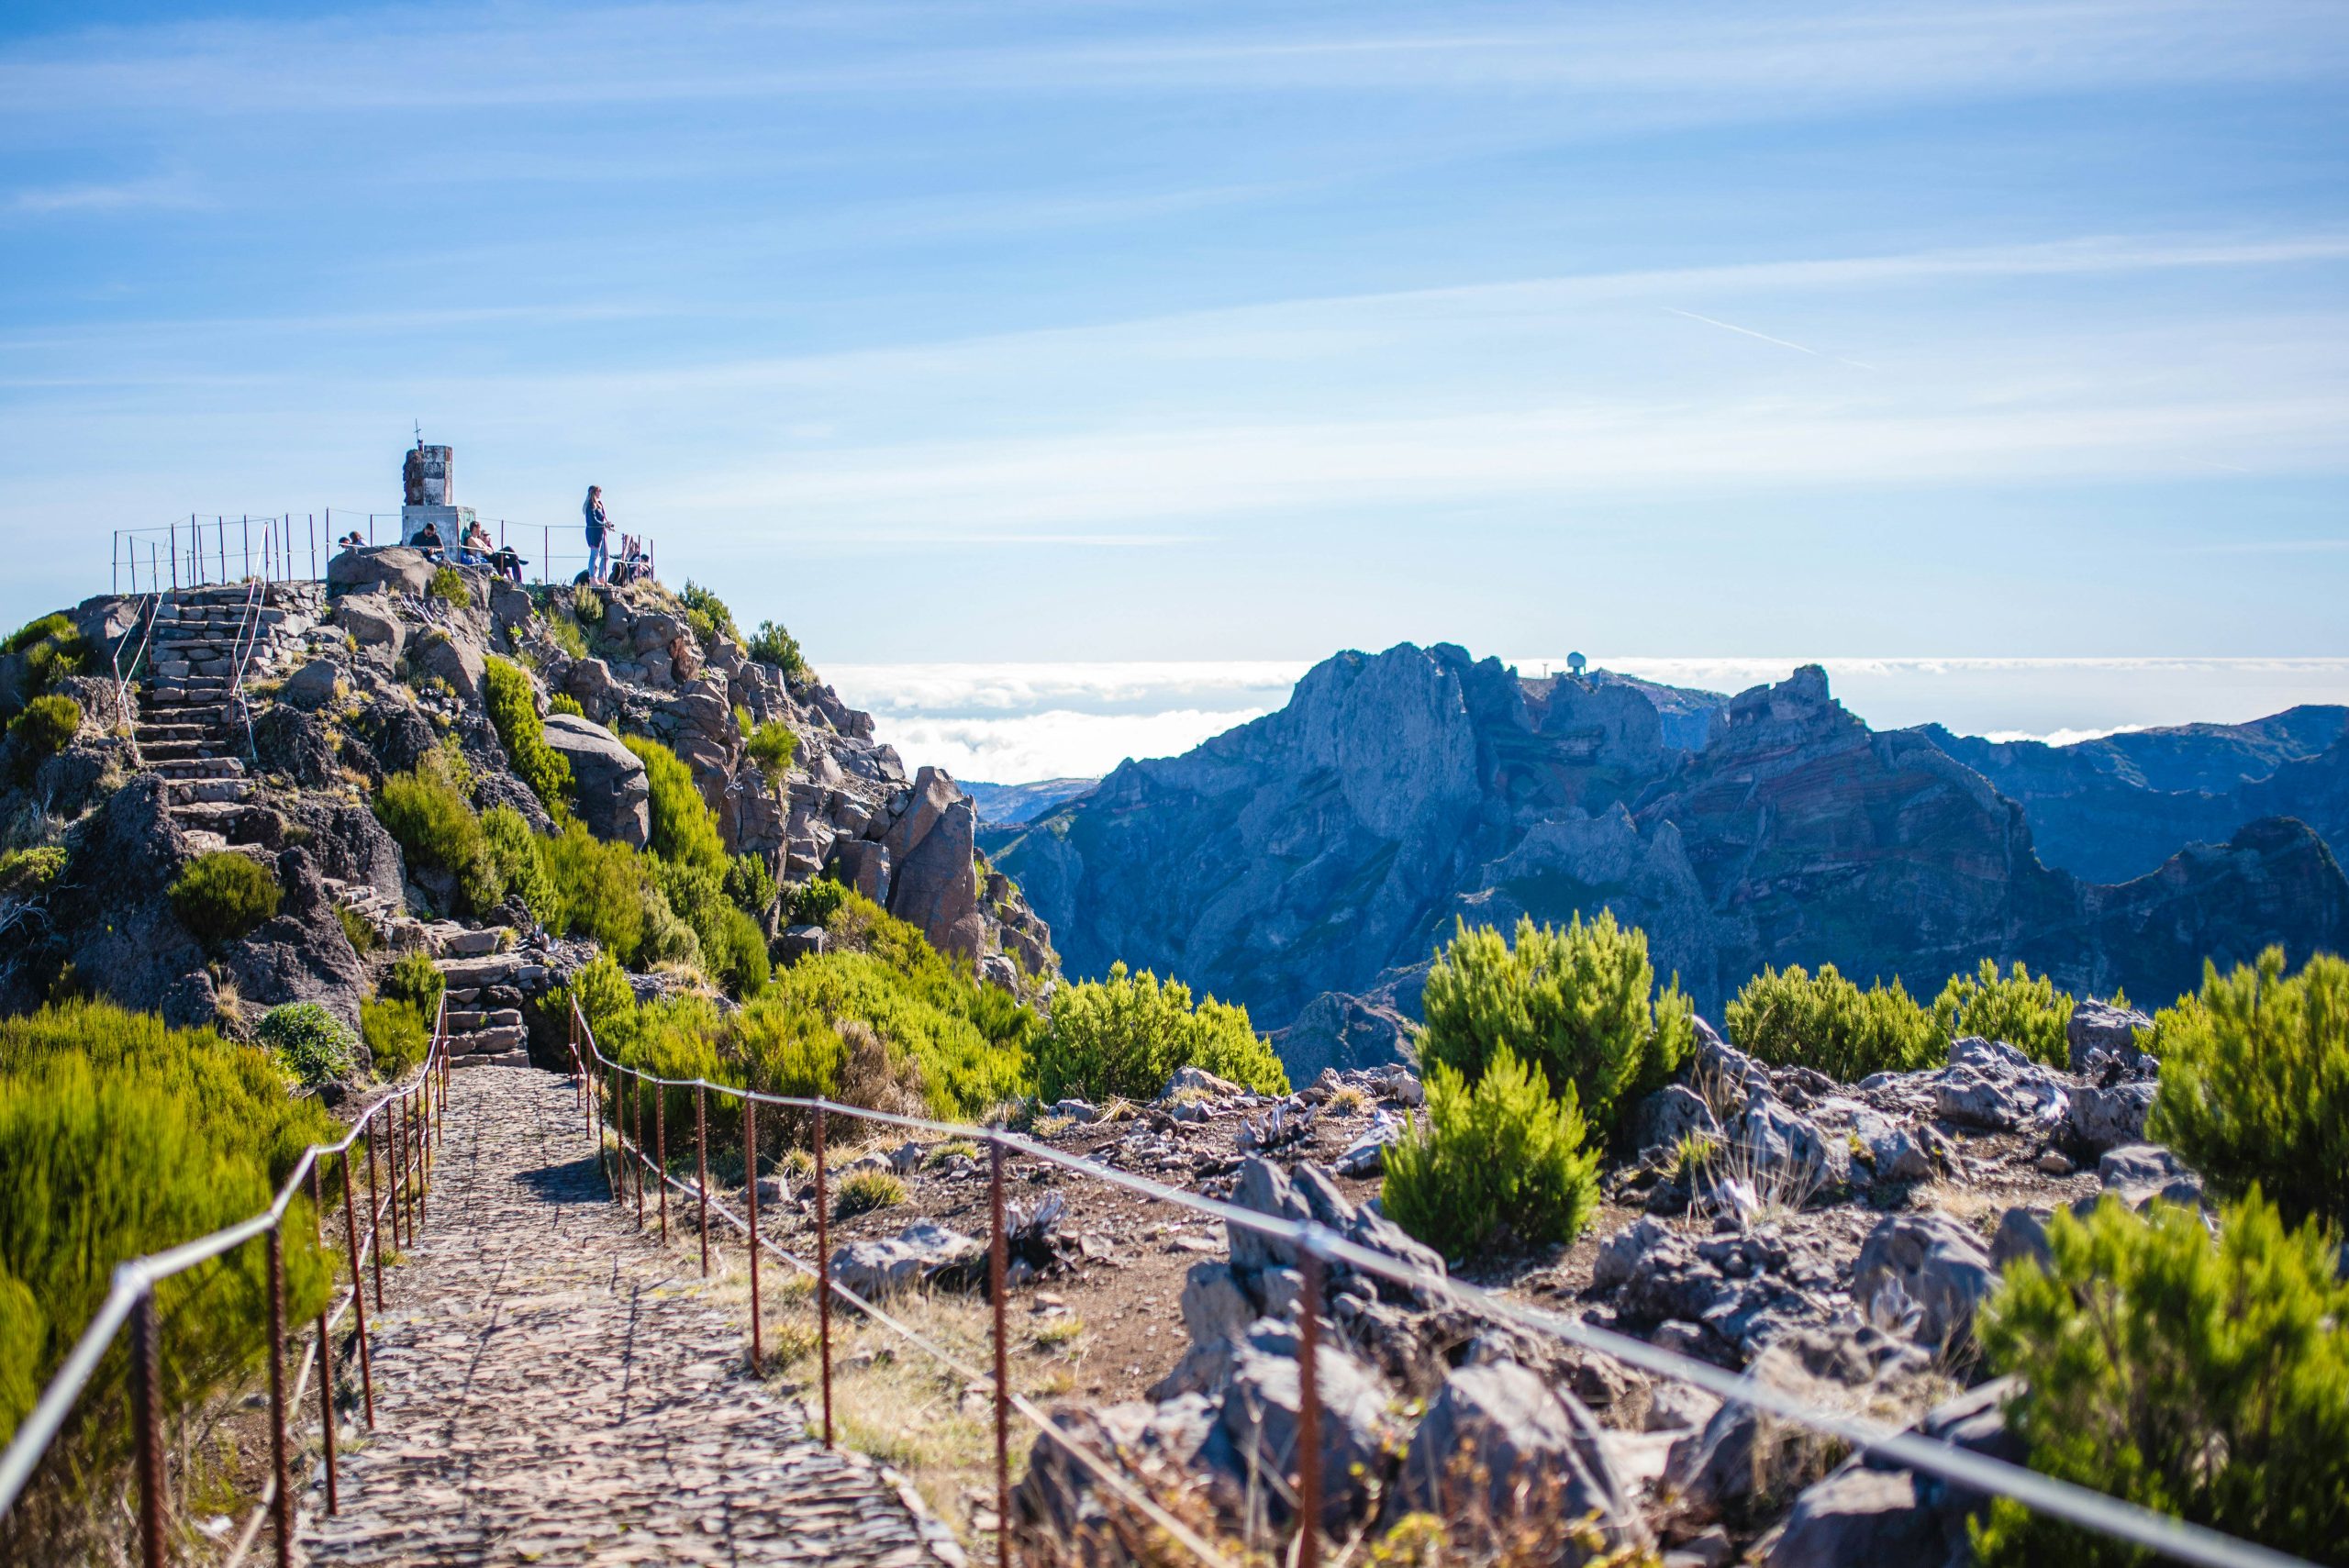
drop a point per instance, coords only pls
(599, 557)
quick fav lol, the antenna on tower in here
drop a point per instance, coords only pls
(419, 435)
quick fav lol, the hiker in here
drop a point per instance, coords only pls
(600, 559)
(427, 539)
(477, 547)
(507, 565)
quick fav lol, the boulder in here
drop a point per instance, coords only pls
(933, 794)
(372, 626)
(2021, 1233)
(1895, 1152)
(394, 567)
(456, 659)
(1498, 1445)
(1198, 1081)
(1859, 1519)
(1783, 1148)
(313, 686)
(2100, 1027)
(1215, 1307)
(934, 887)
(1937, 1262)
(876, 1269)
(2141, 1165)
(2103, 1118)
(1058, 1504)
(1676, 1112)
(613, 800)
(1260, 1419)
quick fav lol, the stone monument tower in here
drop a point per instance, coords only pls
(425, 491)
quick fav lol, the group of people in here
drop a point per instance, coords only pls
(474, 547)
(632, 563)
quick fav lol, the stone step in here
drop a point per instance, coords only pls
(209, 816)
(199, 767)
(475, 1020)
(501, 1058)
(501, 969)
(152, 733)
(477, 1042)
(207, 748)
(189, 792)
(202, 716)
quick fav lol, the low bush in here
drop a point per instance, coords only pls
(1579, 1002)
(120, 1136)
(426, 811)
(2255, 1083)
(449, 585)
(750, 883)
(773, 645)
(26, 872)
(1128, 1034)
(2030, 1014)
(707, 615)
(773, 745)
(355, 929)
(1826, 1022)
(46, 726)
(733, 950)
(414, 979)
(517, 862)
(866, 1191)
(564, 702)
(397, 1034)
(52, 650)
(685, 829)
(1502, 1156)
(222, 896)
(601, 889)
(513, 703)
(313, 1044)
(2205, 1380)
(815, 901)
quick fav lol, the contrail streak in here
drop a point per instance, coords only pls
(1783, 343)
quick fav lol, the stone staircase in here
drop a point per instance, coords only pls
(485, 1016)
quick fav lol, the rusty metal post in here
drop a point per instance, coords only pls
(701, 1168)
(635, 1161)
(751, 1208)
(824, 1275)
(619, 1169)
(999, 1270)
(147, 1417)
(374, 1220)
(414, 1155)
(282, 1505)
(661, 1157)
(395, 1167)
(358, 1294)
(326, 1400)
(1308, 1417)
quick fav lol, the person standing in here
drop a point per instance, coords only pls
(600, 558)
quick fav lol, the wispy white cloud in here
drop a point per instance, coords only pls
(1053, 744)
(163, 191)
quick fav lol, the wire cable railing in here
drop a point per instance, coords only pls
(412, 1116)
(1318, 1248)
(201, 551)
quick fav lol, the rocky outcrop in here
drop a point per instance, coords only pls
(614, 799)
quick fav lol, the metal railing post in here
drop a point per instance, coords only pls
(374, 1217)
(326, 1337)
(147, 1417)
(636, 1159)
(282, 1505)
(824, 1273)
(751, 1208)
(661, 1157)
(999, 1270)
(1308, 1417)
(701, 1168)
(357, 1293)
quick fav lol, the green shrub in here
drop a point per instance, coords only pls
(396, 1033)
(52, 650)
(45, 727)
(815, 901)
(1826, 1022)
(222, 896)
(773, 645)
(47, 628)
(362, 935)
(26, 872)
(1127, 1035)
(685, 829)
(1502, 1154)
(313, 1044)
(449, 584)
(416, 980)
(119, 1136)
(1580, 1002)
(427, 812)
(517, 858)
(733, 950)
(601, 889)
(513, 703)
(773, 745)
(2207, 1381)
(564, 702)
(2255, 1083)
(2030, 1014)
(707, 615)
(750, 883)
(866, 1191)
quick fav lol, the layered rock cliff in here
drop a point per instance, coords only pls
(1329, 847)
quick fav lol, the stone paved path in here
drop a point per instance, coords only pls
(549, 1388)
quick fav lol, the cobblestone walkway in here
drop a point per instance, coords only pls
(549, 1388)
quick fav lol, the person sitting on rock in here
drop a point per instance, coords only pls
(507, 565)
(427, 539)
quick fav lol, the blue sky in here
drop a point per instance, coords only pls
(1010, 333)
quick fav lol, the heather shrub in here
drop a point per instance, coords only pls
(2254, 1084)
(1824, 1021)
(564, 702)
(52, 649)
(2030, 1014)
(427, 812)
(355, 929)
(1578, 1001)
(312, 1043)
(815, 901)
(222, 896)
(449, 585)
(516, 857)
(733, 950)
(772, 745)
(45, 727)
(513, 703)
(397, 1034)
(773, 645)
(1126, 1035)
(750, 883)
(600, 889)
(1502, 1155)
(2208, 1380)
(685, 829)
(707, 615)
(25, 871)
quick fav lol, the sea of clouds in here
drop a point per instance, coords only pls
(1010, 723)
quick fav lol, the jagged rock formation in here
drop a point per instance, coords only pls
(342, 688)
(1329, 848)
